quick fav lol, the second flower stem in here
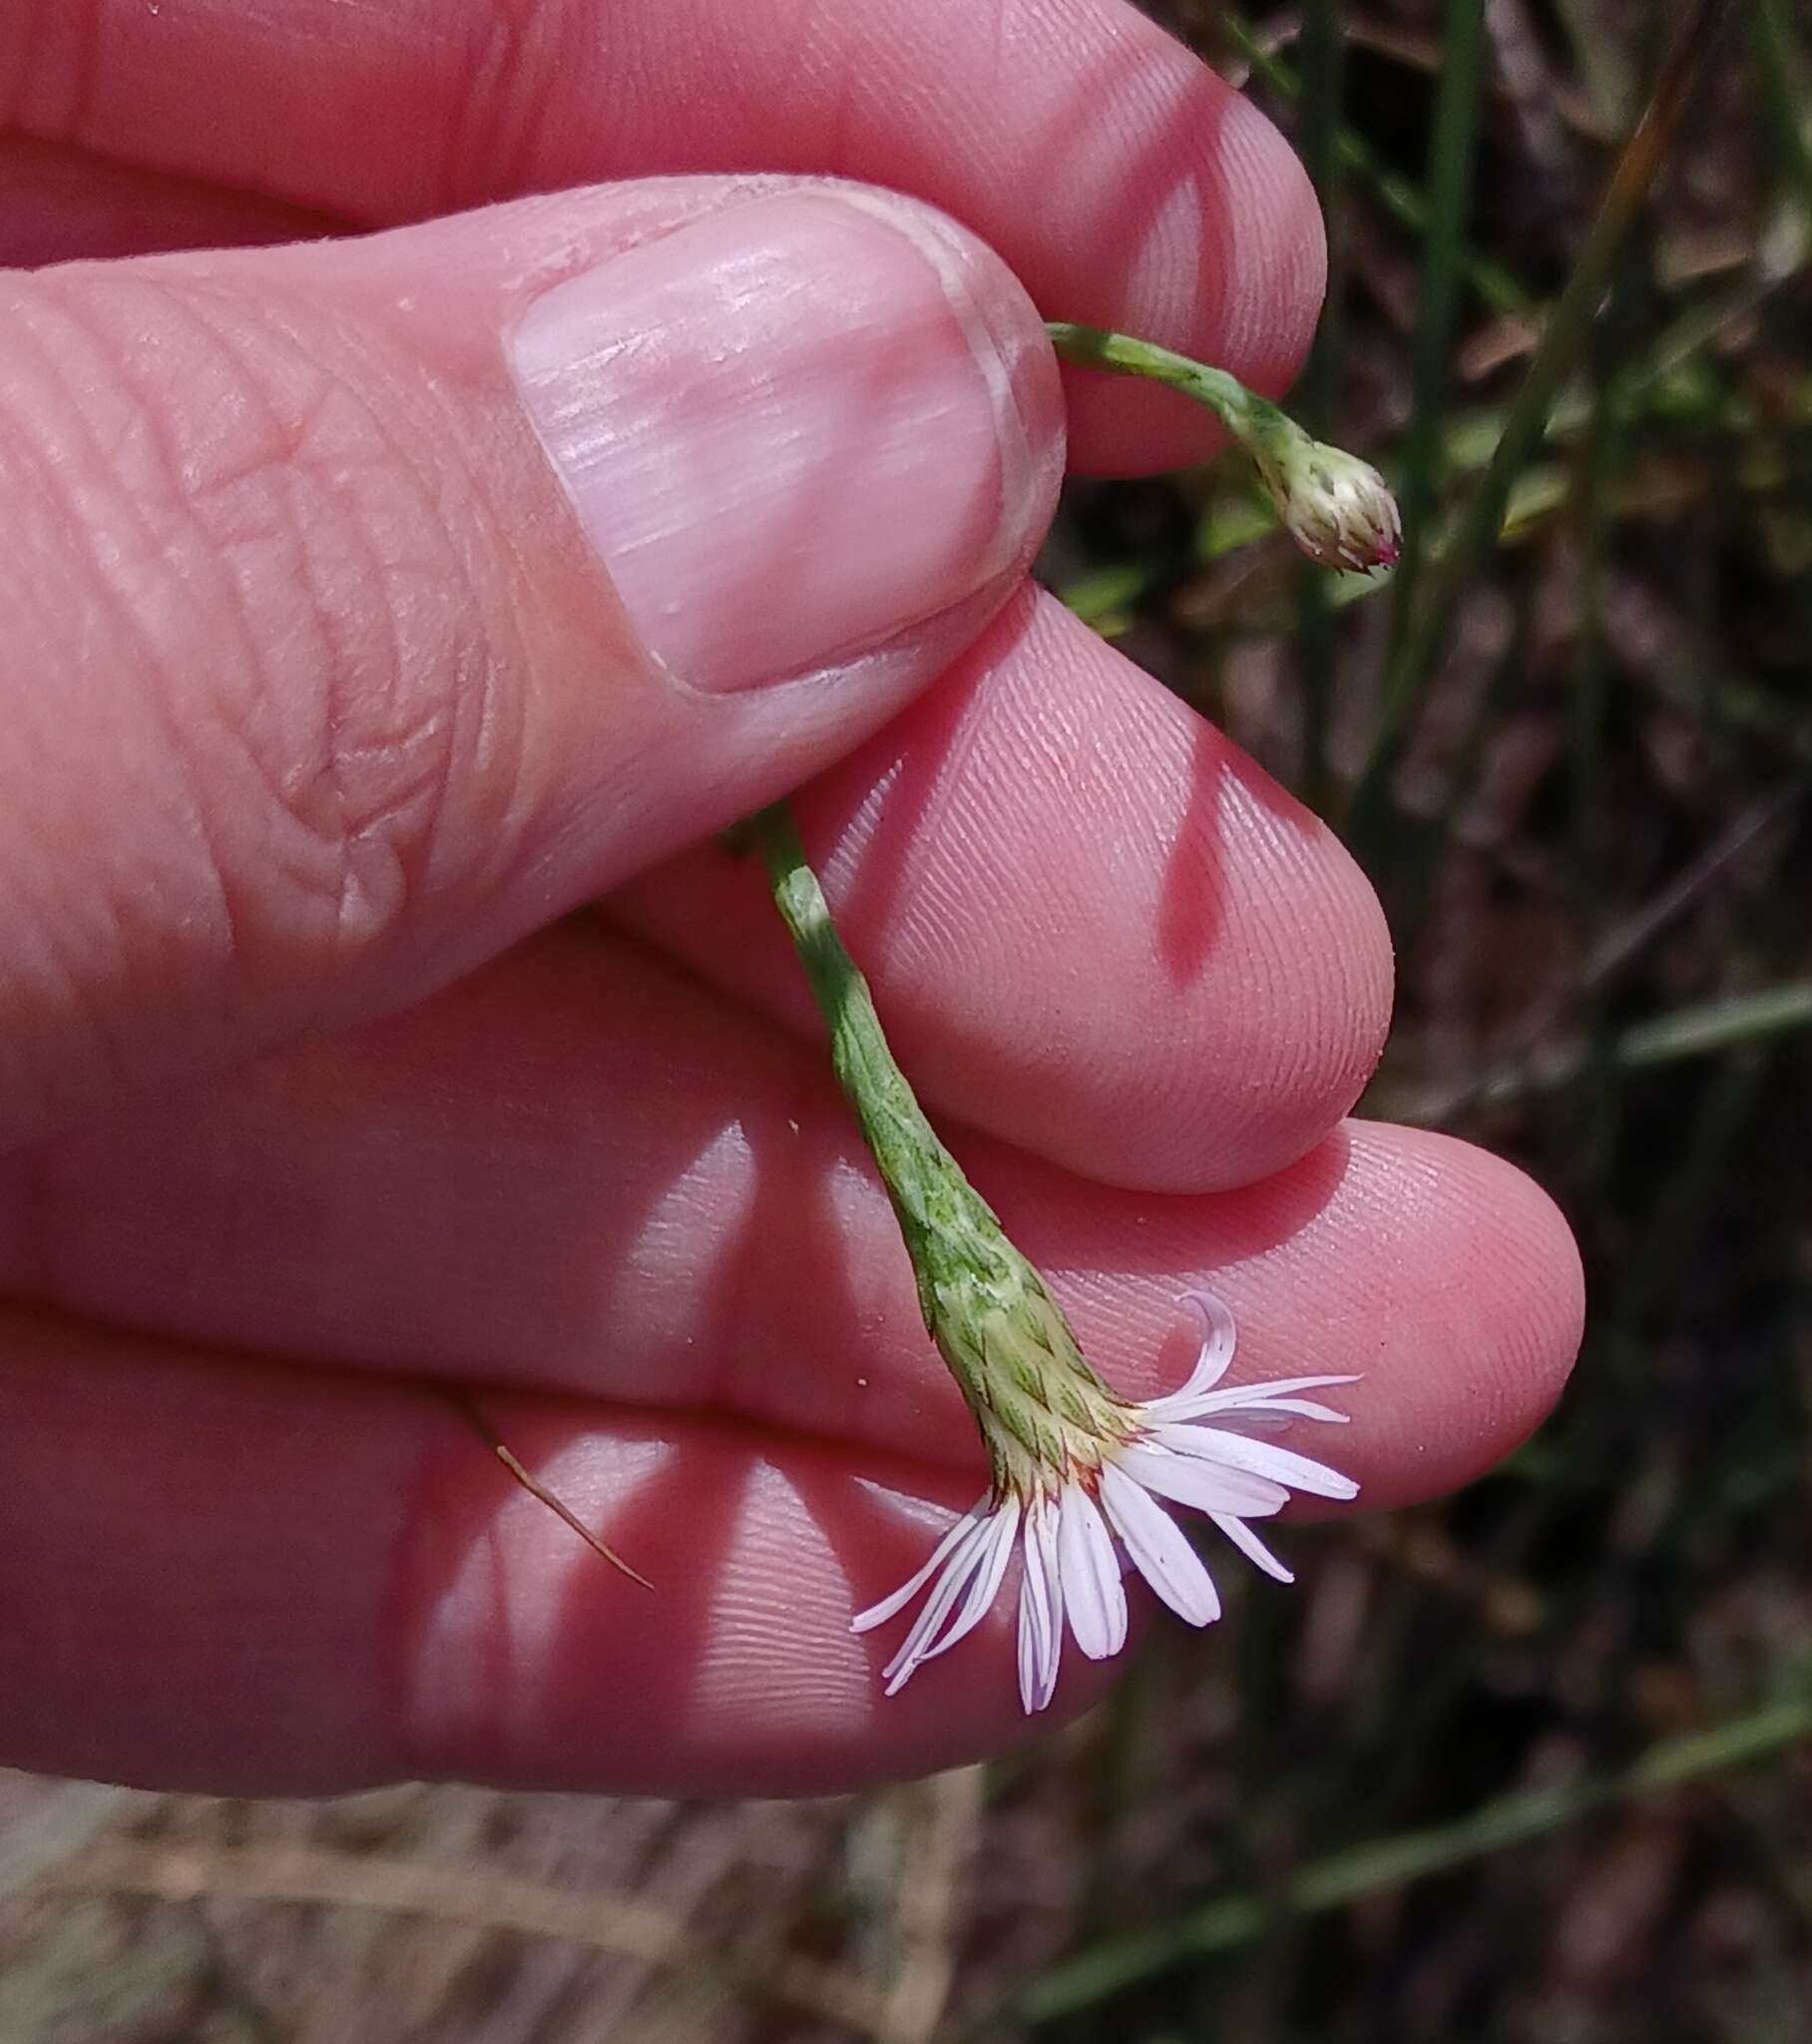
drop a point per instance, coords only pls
(915, 1165)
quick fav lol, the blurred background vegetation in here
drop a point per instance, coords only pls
(1530, 1765)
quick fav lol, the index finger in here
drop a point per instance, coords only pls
(1125, 182)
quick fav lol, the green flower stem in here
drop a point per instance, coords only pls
(1258, 425)
(1333, 505)
(1015, 1360)
(914, 1164)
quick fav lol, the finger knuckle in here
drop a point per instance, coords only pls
(268, 555)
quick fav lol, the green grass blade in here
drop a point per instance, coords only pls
(1786, 83)
(1493, 286)
(1559, 352)
(1379, 1864)
(1711, 1026)
(1450, 185)
(1323, 68)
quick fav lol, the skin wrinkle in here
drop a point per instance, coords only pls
(182, 494)
(500, 72)
(314, 572)
(124, 511)
(300, 519)
(262, 497)
(372, 716)
(499, 719)
(47, 933)
(424, 768)
(441, 561)
(503, 718)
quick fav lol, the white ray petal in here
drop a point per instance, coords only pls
(1039, 1620)
(1295, 1409)
(962, 1565)
(1036, 1592)
(1207, 1486)
(1093, 1594)
(1158, 1547)
(1249, 1544)
(880, 1614)
(1030, 1618)
(996, 1553)
(1028, 1651)
(1251, 1420)
(1045, 1532)
(1236, 1396)
(1219, 1339)
(1216, 1447)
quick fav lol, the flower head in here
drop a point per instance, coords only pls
(1077, 1479)
(1075, 1471)
(1337, 508)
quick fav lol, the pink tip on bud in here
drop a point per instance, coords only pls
(1337, 508)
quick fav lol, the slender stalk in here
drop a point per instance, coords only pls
(892, 1121)
(538, 1490)
(1095, 348)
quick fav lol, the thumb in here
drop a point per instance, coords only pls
(367, 603)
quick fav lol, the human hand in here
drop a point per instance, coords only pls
(319, 706)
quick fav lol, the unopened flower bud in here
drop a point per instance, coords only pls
(1337, 508)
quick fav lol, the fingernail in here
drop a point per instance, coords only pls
(791, 428)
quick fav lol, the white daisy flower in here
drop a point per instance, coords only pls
(1077, 1479)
